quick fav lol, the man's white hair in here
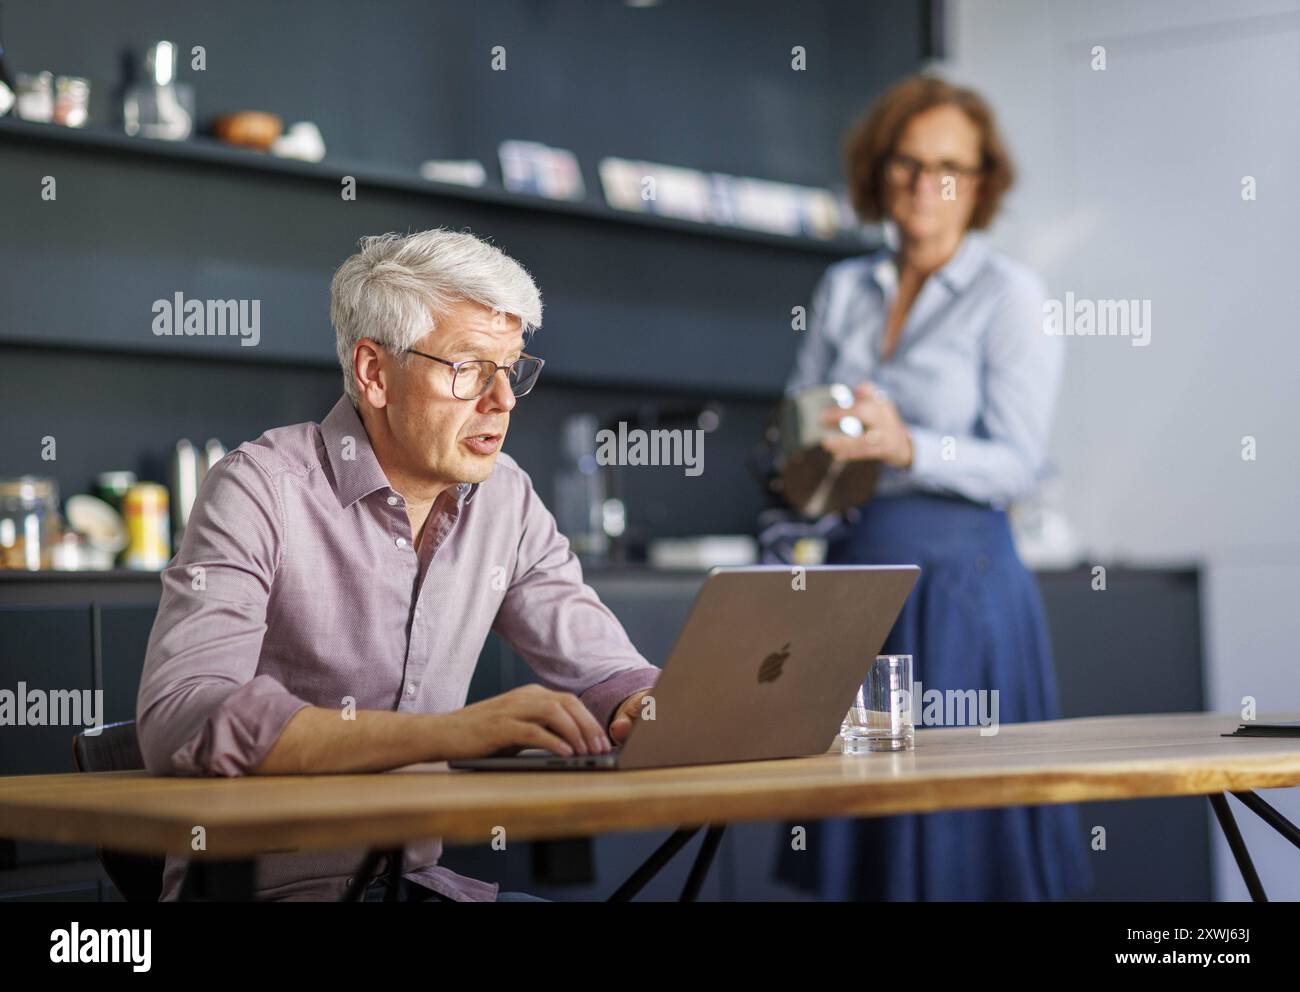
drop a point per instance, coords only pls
(397, 287)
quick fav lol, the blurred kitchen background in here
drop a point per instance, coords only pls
(520, 120)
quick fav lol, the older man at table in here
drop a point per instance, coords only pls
(337, 581)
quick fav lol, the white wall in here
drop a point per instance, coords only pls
(1131, 188)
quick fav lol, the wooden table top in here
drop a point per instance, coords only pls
(1060, 761)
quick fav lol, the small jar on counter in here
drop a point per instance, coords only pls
(29, 522)
(148, 527)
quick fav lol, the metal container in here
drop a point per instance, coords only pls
(811, 479)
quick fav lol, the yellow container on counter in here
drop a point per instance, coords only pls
(148, 527)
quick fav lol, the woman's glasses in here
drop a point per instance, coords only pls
(903, 170)
(471, 378)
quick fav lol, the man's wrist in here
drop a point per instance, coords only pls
(438, 736)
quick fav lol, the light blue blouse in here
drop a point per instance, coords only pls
(974, 375)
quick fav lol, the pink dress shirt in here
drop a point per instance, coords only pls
(297, 584)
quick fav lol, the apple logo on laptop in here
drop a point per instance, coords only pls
(770, 670)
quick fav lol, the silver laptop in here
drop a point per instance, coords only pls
(765, 667)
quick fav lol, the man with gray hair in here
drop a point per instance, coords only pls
(337, 581)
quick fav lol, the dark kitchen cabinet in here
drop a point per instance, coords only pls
(124, 636)
(45, 649)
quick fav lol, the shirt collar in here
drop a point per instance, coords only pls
(966, 262)
(347, 446)
(956, 273)
(359, 473)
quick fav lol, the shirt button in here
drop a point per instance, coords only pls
(410, 690)
(392, 500)
(401, 542)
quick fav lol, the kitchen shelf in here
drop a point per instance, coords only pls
(208, 152)
(611, 385)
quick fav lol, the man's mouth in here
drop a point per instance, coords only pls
(483, 444)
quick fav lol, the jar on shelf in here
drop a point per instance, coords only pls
(29, 522)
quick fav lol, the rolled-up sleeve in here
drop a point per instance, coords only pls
(560, 627)
(1022, 371)
(202, 709)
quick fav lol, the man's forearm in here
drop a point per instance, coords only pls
(318, 740)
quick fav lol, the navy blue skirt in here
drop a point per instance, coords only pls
(974, 620)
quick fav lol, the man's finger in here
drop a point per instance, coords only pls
(626, 709)
(535, 735)
(626, 715)
(620, 726)
(591, 728)
(554, 714)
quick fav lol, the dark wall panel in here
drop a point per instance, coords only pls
(109, 411)
(623, 303)
(634, 312)
(705, 85)
(124, 637)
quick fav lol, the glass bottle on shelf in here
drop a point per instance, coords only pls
(29, 522)
(8, 85)
(158, 106)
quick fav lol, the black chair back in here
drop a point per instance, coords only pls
(116, 749)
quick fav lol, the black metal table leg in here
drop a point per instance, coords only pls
(1220, 803)
(1270, 816)
(637, 880)
(219, 881)
(712, 838)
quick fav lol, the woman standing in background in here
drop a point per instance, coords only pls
(955, 382)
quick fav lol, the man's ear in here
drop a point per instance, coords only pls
(369, 372)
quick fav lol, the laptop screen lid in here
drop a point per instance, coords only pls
(768, 663)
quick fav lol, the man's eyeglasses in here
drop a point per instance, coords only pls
(903, 170)
(471, 378)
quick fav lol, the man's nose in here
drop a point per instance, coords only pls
(499, 395)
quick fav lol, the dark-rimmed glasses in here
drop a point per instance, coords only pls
(472, 377)
(903, 170)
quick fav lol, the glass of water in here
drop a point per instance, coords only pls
(880, 718)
